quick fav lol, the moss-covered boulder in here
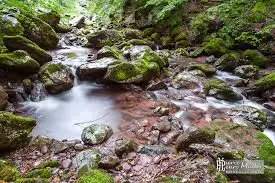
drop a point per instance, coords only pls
(148, 32)
(8, 173)
(193, 135)
(254, 57)
(166, 42)
(14, 43)
(246, 71)
(205, 68)
(108, 51)
(129, 34)
(18, 62)
(141, 42)
(221, 90)
(95, 176)
(62, 28)
(3, 98)
(216, 47)
(229, 61)
(56, 77)
(265, 83)
(103, 38)
(52, 18)
(96, 134)
(14, 130)
(125, 147)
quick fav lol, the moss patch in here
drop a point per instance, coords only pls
(7, 172)
(39, 173)
(96, 176)
(266, 82)
(49, 164)
(254, 57)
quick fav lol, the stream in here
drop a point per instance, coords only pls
(58, 116)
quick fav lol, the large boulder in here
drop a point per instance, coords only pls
(221, 90)
(52, 18)
(96, 134)
(18, 62)
(246, 71)
(129, 34)
(216, 47)
(56, 77)
(14, 130)
(229, 61)
(3, 98)
(96, 69)
(249, 116)
(254, 57)
(14, 43)
(108, 51)
(30, 26)
(103, 38)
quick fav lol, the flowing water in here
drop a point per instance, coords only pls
(58, 116)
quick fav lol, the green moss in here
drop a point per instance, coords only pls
(49, 164)
(108, 51)
(14, 43)
(62, 28)
(18, 61)
(96, 176)
(31, 180)
(205, 68)
(181, 36)
(255, 57)
(129, 34)
(52, 18)
(156, 38)
(151, 56)
(138, 42)
(266, 82)
(147, 32)
(7, 172)
(167, 179)
(39, 173)
(216, 47)
(220, 178)
(266, 150)
(229, 61)
(166, 41)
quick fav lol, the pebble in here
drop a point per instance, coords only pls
(79, 147)
(66, 163)
(44, 150)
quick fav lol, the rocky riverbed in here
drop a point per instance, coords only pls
(115, 104)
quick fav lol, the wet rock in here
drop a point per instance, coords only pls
(38, 92)
(155, 150)
(78, 22)
(79, 147)
(221, 90)
(96, 134)
(161, 111)
(27, 84)
(187, 81)
(163, 126)
(103, 38)
(3, 98)
(249, 116)
(205, 68)
(58, 146)
(96, 69)
(195, 135)
(129, 34)
(56, 77)
(108, 51)
(175, 122)
(18, 62)
(169, 137)
(153, 138)
(85, 161)
(109, 162)
(270, 105)
(229, 61)
(14, 130)
(66, 163)
(246, 71)
(16, 93)
(125, 147)
(211, 59)
(14, 43)
(156, 85)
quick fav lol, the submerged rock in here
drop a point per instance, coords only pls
(249, 116)
(18, 62)
(221, 90)
(14, 43)
(96, 134)
(14, 130)
(56, 77)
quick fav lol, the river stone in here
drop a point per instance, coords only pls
(109, 162)
(14, 43)
(249, 116)
(96, 69)
(195, 135)
(129, 34)
(125, 147)
(58, 146)
(163, 126)
(108, 51)
(155, 150)
(56, 77)
(188, 81)
(3, 98)
(96, 134)
(86, 161)
(14, 130)
(38, 92)
(246, 71)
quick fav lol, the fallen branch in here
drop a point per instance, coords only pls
(106, 114)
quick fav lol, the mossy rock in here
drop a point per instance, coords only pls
(14, 43)
(151, 56)
(18, 62)
(216, 47)
(205, 68)
(3, 98)
(31, 180)
(181, 44)
(247, 71)
(180, 36)
(8, 173)
(103, 38)
(265, 83)
(108, 51)
(254, 57)
(62, 28)
(148, 32)
(49, 164)
(52, 18)
(129, 34)
(229, 61)
(96, 176)
(166, 41)
(221, 90)
(14, 130)
(167, 179)
(141, 42)
(39, 173)
(156, 38)
(56, 77)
